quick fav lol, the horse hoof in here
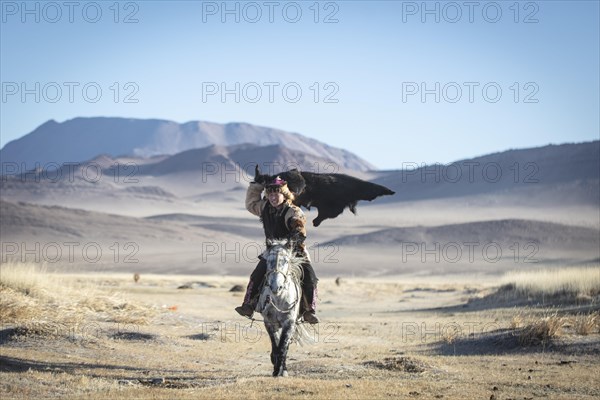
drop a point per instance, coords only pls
(282, 374)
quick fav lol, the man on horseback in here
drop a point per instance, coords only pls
(281, 220)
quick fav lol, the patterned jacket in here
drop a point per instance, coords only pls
(287, 221)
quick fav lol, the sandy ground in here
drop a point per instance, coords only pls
(379, 338)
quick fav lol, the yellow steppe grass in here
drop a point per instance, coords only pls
(580, 281)
(30, 296)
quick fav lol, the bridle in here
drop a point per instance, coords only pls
(286, 276)
(276, 270)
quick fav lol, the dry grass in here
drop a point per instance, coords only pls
(587, 324)
(517, 321)
(542, 331)
(16, 306)
(577, 282)
(548, 327)
(533, 329)
(24, 292)
(28, 279)
(38, 302)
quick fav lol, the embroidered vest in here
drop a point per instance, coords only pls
(274, 222)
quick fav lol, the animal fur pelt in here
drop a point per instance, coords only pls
(329, 193)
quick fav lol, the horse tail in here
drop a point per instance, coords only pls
(303, 336)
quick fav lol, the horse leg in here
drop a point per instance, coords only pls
(284, 343)
(274, 336)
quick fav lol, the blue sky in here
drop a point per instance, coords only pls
(496, 75)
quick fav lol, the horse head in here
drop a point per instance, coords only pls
(279, 254)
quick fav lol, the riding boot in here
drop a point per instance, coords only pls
(256, 278)
(310, 295)
(247, 309)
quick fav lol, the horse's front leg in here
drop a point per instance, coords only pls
(284, 344)
(274, 336)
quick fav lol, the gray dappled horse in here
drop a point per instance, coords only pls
(279, 301)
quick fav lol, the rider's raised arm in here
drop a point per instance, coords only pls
(254, 202)
(296, 222)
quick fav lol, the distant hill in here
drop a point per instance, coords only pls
(82, 139)
(556, 176)
(213, 173)
(566, 173)
(517, 241)
(497, 231)
(75, 239)
(24, 221)
(243, 157)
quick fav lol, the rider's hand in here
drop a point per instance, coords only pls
(297, 239)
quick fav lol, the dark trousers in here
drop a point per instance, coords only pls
(309, 281)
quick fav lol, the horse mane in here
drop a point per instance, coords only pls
(295, 260)
(296, 267)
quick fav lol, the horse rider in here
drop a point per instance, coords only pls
(281, 220)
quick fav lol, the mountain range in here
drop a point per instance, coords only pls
(177, 190)
(566, 173)
(107, 159)
(81, 139)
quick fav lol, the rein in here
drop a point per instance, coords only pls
(299, 321)
(270, 301)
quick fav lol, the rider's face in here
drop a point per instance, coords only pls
(275, 198)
